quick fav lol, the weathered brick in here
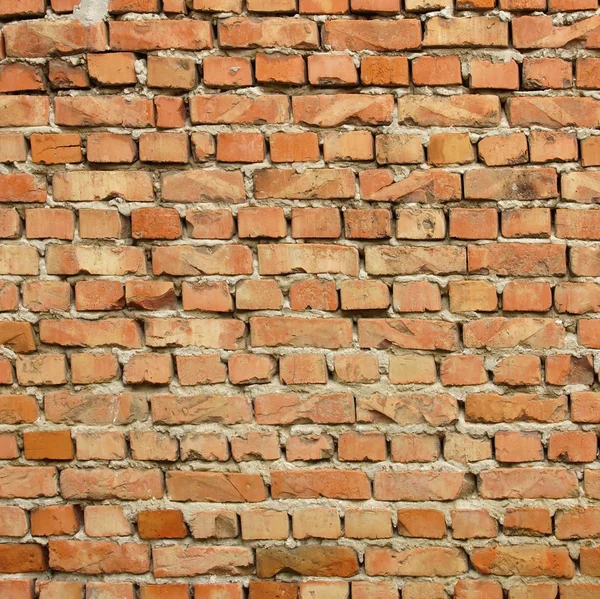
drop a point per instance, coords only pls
(449, 111)
(376, 35)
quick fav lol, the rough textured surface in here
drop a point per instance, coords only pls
(298, 299)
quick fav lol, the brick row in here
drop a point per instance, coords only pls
(508, 447)
(259, 222)
(184, 74)
(412, 485)
(256, 524)
(292, 590)
(479, 111)
(170, 148)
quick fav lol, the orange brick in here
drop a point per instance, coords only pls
(494, 75)
(51, 445)
(56, 148)
(116, 68)
(436, 70)
(384, 70)
(280, 69)
(294, 147)
(331, 70)
(240, 147)
(172, 72)
(301, 369)
(164, 147)
(223, 72)
(111, 148)
(547, 73)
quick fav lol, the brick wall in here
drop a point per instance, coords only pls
(298, 299)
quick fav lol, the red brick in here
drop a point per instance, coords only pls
(240, 147)
(164, 147)
(124, 6)
(408, 448)
(294, 147)
(421, 561)
(384, 70)
(377, 35)
(225, 72)
(569, 370)
(473, 524)
(436, 70)
(332, 70)
(554, 146)
(351, 145)
(573, 446)
(170, 112)
(589, 151)
(528, 111)
(116, 68)
(299, 369)
(417, 296)
(17, 77)
(450, 148)
(111, 148)
(463, 370)
(499, 150)
(256, 446)
(518, 370)
(527, 521)
(139, 36)
(172, 72)
(101, 446)
(329, 7)
(420, 223)
(399, 149)
(64, 75)
(526, 222)
(218, 5)
(473, 223)
(515, 259)
(280, 69)
(215, 487)
(309, 447)
(30, 39)
(362, 447)
(210, 224)
(106, 521)
(104, 111)
(155, 369)
(22, 187)
(161, 524)
(246, 369)
(520, 407)
(528, 483)
(13, 147)
(525, 560)
(309, 258)
(204, 186)
(270, 32)
(466, 32)
(514, 447)
(336, 110)
(547, 73)
(288, 408)
(196, 370)
(313, 294)
(510, 183)
(494, 75)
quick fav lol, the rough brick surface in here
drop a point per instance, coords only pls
(299, 299)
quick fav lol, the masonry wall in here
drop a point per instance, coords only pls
(299, 299)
